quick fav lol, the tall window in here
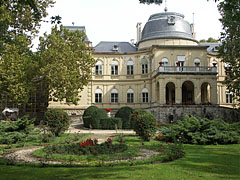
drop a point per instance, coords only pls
(145, 95)
(98, 68)
(180, 60)
(114, 96)
(130, 96)
(164, 62)
(144, 66)
(98, 96)
(229, 98)
(114, 68)
(130, 67)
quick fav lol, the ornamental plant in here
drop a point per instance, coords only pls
(172, 151)
(144, 124)
(57, 120)
(92, 116)
(88, 147)
(108, 110)
(124, 113)
(192, 130)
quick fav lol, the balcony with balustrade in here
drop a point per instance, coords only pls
(187, 70)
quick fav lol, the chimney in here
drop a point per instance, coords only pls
(139, 31)
(132, 41)
(193, 33)
(192, 28)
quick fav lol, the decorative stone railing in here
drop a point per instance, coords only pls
(187, 69)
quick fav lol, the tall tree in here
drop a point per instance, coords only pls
(17, 71)
(65, 63)
(19, 22)
(229, 50)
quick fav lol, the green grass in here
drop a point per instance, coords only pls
(200, 162)
(208, 162)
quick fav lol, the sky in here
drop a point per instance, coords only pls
(115, 20)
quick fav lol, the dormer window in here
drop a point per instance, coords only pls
(115, 47)
(171, 20)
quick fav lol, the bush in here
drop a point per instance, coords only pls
(144, 124)
(124, 113)
(173, 151)
(192, 130)
(86, 148)
(57, 120)
(111, 123)
(92, 116)
(21, 130)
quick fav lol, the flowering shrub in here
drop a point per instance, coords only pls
(173, 151)
(86, 148)
(144, 124)
(108, 110)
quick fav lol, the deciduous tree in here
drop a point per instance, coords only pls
(229, 50)
(65, 63)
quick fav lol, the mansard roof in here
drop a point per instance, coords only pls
(118, 47)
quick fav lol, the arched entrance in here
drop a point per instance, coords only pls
(187, 93)
(205, 93)
(170, 93)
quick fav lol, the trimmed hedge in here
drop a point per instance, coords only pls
(109, 123)
(92, 116)
(124, 113)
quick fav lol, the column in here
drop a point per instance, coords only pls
(162, 91)
(178, 92)
(213, 92)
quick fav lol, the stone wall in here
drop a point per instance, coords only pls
(167, 114)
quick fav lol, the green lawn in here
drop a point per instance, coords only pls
(200, 162)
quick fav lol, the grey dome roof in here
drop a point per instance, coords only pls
(167, 25)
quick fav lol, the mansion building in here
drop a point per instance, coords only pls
(167, 72)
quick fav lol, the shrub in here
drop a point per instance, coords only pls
(21, 130)
(86, 148)
(110, 123)
(192, 130)
(57, 120)
(92, 116)
(124, 113)
(144, 124)
(173, 151)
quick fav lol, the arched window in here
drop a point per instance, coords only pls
(98, 96)
(98, 68)
(144, 66)
(114, 67)
(165, 62)
(229, 97)
(130, 67)
(196, 62)
(214, 63)
(130, 96)
(144, 95)
(114, 96)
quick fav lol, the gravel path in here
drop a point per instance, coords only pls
(25, 155)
